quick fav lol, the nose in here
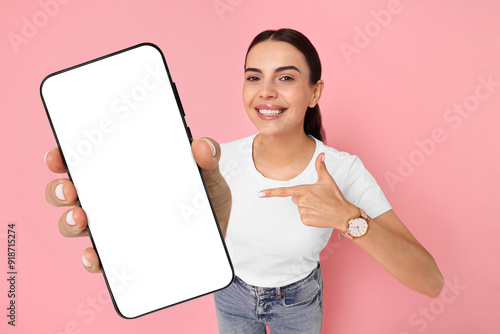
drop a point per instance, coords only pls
(267, 90)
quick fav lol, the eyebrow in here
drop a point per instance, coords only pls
(279, 69)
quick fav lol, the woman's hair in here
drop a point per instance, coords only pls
(312, 121)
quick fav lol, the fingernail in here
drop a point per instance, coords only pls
(323, 158)
(262, 194)
(59, 192)
(212, 147)
(70, 219)
(86, 262)
(45, 157)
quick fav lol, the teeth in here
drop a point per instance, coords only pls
(270, 112)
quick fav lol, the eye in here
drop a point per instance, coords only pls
(286, 78)
(252, 78)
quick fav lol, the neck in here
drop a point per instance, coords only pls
(283, 150)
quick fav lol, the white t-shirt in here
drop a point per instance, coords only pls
(268, 243)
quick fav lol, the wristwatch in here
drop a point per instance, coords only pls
(356, 227)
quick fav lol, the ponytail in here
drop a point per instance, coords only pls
(312, 123)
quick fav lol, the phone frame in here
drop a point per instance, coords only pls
(190, 139)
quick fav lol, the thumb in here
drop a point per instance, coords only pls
(206, 152)
(323, 174)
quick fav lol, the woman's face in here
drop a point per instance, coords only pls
(277, 90)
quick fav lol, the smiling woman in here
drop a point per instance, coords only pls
(291, 191)
(280, 196)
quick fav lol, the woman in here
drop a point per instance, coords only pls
(288, 192)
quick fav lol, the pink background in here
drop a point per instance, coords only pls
(390, 92)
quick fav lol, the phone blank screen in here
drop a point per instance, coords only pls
(125, 143)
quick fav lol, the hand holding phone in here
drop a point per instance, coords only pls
(123, 138)
(77, 225)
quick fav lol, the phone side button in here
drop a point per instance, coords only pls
(177, 98)
(188, 130)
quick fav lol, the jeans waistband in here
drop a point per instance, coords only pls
(279, 291)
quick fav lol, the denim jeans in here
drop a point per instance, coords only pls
(294, 308)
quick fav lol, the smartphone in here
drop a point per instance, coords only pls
(120, 128)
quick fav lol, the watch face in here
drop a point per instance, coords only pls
(358, 227)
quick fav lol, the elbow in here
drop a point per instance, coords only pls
(435, 286)
(435, 281)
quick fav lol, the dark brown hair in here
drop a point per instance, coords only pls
(312, 121)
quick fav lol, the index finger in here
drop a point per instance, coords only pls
(282, 191)
(54, 161)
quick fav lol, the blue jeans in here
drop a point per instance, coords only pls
(294, 308)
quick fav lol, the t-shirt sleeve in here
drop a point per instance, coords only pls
(361, 189)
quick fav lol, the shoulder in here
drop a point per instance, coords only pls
(238, 144)
(335, 159)
(347, 169)
(355, 181)
(237, 150)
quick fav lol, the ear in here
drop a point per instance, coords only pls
(318, 89)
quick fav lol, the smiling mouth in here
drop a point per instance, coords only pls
(270, 112)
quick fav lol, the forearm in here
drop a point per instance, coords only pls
(222, 203)
(403, 257)
(220, 195)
